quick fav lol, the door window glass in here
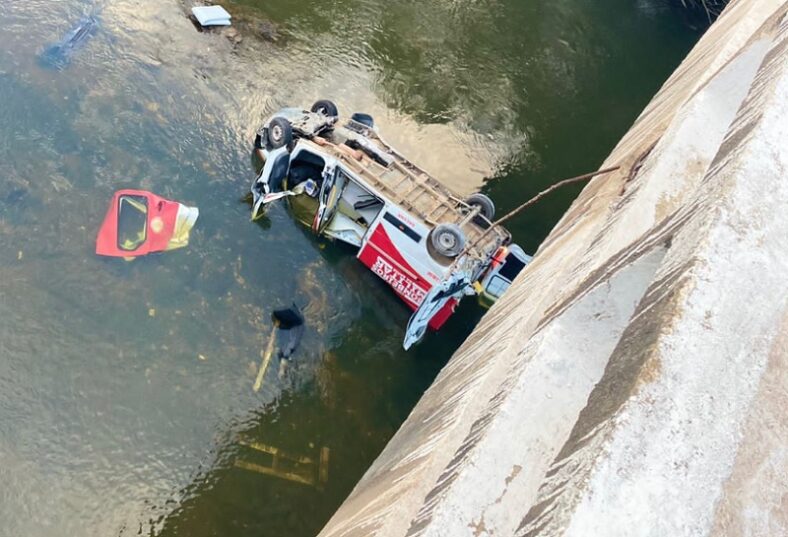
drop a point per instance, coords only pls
(132, 222)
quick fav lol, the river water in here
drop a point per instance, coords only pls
(126, 400)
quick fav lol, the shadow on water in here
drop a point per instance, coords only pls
(126, 394)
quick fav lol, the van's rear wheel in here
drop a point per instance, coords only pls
(280, 133)
(325, 107)
(364, 119)
(484, 203)
(448, 240)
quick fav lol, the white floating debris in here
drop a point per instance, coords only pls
(211, 15)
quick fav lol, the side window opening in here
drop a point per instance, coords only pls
(305, 166)
(511, 267)
(132, 222)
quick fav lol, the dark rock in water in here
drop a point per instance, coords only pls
(59, 55)
(14, 195)
(233, 35)
(13, 189)
(268, 31)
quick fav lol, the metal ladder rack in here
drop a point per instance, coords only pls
(414, 191)
(410, 187)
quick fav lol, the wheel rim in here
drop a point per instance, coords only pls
(276, 133)
(447, 241)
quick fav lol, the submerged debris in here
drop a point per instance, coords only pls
(233, 36)
(272, 461)
(58, 55)
(289, 321)
(14, 191)
(268, 31)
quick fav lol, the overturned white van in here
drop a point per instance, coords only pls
(429, 245)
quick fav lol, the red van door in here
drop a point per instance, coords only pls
(382, 256)
(140, 222)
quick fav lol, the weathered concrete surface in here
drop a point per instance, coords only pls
(634, 380)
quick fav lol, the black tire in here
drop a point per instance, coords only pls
(364, 119)
(485, 204)
(280, 133)
(448, 240)
(325, 107)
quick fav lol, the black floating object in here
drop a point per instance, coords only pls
(289, 317)
(291, 321)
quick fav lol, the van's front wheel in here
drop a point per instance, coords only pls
(280, 133)
(448, 240)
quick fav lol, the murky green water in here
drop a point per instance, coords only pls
(126, 401)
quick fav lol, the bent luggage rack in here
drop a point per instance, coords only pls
(407, 185)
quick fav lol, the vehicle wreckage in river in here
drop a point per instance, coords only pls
(430, 245)
(59, 55)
